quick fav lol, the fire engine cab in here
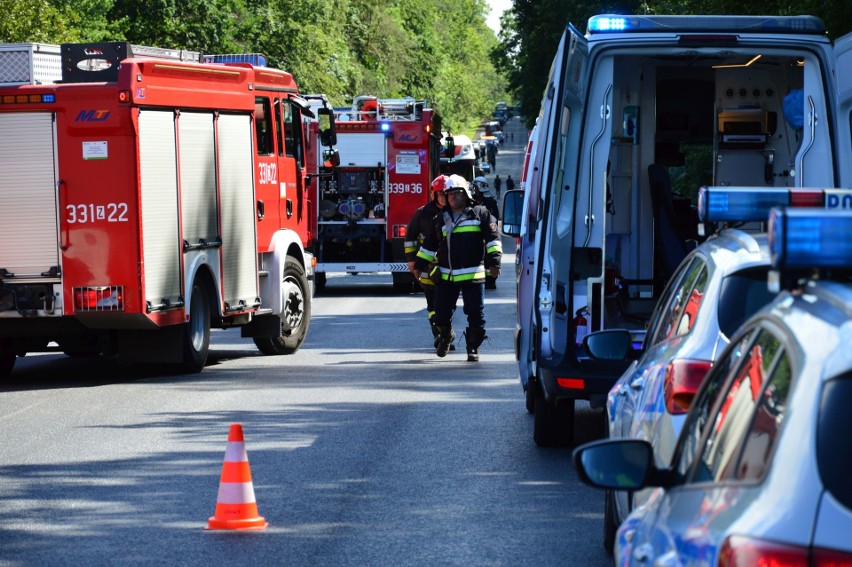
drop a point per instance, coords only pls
(149, 195)
(389, 153)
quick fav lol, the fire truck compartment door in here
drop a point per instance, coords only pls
(28, 219)
(159, 209)
(236, 195)
(361, 150)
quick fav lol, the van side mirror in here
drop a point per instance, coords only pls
(513, 210)
(327, 132)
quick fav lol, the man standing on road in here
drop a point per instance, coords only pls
(497, 183)
(462, 244)
(418, 227)
(510, 183)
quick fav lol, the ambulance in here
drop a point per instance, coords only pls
(637, 114)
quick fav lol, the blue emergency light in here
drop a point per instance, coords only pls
(616, 23)
(385, 127)
(810, 238)
(745, 204)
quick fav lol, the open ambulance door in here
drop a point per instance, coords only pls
(843, 107)
(560, 149)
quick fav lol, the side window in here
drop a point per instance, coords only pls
(763, 433)
(263, 126)
(691, 306)
(292, 122)
(703, 405)
(678, 315)
(739, 406)
(662, 315)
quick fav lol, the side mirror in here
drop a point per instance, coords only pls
(449, 147)
(327, 132)
(622, 464)
(613, 344)
(513, 210)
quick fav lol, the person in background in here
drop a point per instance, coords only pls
(497, 183)
(510, 183)
(483, 195)
(419, 225)
(461, 246)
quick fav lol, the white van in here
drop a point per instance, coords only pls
(636, 116)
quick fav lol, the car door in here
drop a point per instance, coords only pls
(723, 453)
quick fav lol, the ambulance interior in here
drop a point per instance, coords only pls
(680, 122)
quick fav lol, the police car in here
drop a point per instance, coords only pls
(760, 472)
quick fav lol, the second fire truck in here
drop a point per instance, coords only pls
(389, 153)
(148, 196)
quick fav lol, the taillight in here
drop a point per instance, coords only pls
(399, 230)
(681, 382)
(741, 551)
(100, 298)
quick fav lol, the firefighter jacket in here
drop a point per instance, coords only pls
(461, 246)
(418, 227)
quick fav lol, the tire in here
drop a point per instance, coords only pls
(296, 317)
(529, 395)
(196, 331)
(319, 281)
(7, 357)
(553, 424)
(610, 526)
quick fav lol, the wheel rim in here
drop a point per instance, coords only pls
(294, 306)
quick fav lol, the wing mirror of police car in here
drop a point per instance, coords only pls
(612, 344)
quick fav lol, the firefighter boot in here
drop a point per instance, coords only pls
(446, 335)
(436, 333)
(473, 337)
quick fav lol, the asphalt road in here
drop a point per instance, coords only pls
(364, 448)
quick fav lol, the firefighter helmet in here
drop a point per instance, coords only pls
(458, 183)
(438, 184)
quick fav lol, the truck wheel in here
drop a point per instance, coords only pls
(553, 425)
(7, 357)
(296, 316)
(196, 331)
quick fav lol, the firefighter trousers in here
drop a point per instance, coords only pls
(473, 296)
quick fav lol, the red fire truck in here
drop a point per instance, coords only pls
(389, 153)
(149, 196)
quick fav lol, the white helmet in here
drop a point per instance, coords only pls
(456, 182)
(482, 184)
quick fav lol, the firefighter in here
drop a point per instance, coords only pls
(483, 195)
(419, 225)
(461, 246)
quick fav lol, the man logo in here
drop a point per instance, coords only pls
(92, 116)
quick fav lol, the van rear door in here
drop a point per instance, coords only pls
(565, 100)
(843, 109)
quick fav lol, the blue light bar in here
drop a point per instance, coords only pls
(810, 238)
(256, 59)
(739, 204)
(610, 23)
(48, 98)
(385, 127)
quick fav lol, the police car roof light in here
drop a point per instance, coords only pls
(615, 23)
(810, 238)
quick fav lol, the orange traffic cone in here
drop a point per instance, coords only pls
(236, 508)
